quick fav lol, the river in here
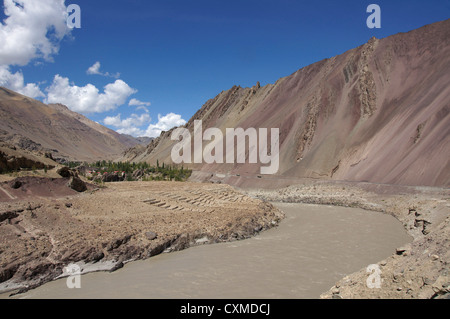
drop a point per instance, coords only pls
(311, 249)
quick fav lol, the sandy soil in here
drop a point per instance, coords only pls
(418, 270)
(42, 231)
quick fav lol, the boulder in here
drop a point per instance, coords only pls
(138, 174)
(118, 265)
(404, 250)
(97, 256)
(113, 177)
(77, 184)
(15, 184)
(151, 235)
(65, 172)
(422, 224)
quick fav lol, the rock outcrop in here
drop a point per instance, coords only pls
(77, 184)
(75, 181)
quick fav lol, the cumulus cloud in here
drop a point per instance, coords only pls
(130, 125)
(133, 125)
(165, 123)
(133, 121)
(88, 99)
(32, 29)
(15, 82)
(95, 69)
(136, 102)
(142, 108)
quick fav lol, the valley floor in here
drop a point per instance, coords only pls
(41, 232)
(103, 228)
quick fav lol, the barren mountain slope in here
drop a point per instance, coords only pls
(377, 113)
(31, 124)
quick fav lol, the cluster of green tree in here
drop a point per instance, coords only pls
(148, 172)
(73, 164)
(169, 172)
(127, 167)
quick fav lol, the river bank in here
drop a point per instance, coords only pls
(417, 270)
(311, 248)
(105, 228)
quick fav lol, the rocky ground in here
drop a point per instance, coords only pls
(418, 270)
(46, 225)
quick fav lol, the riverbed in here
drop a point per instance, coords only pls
(311, 249)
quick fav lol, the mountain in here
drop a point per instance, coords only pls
(32, 125)
(378, 113)
(142, 140)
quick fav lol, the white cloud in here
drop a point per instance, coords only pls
(129, 125)
(133, 131)
(136, 102)
(143, 108)
(32, 29)
(87, 99)
(133, 121)
(133, 124)
(95, 69)
(165, 123)
(15, 82)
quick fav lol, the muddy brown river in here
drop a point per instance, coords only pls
(304, 256)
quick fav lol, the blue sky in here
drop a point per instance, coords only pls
(172, 56)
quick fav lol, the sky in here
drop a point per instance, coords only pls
(141, 66)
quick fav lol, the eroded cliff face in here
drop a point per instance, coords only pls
(377, 113)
